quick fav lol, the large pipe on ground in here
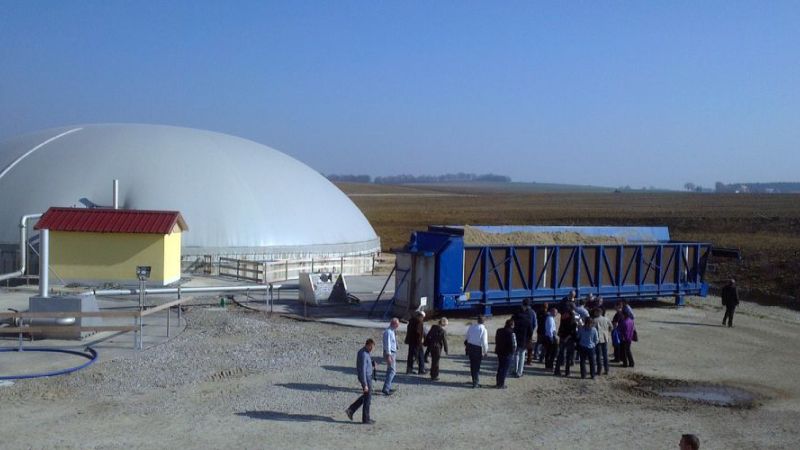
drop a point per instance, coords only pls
(23, 248)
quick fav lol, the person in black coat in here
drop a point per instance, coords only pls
(436, 341)
(415, 336)
(505, 345)
(567, 336)
(523, 331)
(730, 298)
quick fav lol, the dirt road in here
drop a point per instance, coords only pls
(241, 380)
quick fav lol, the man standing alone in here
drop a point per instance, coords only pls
(364, 371)
(730, 298)
(390, 354)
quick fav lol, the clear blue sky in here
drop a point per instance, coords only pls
(609, 93)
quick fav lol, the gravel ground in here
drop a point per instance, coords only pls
(239, 379)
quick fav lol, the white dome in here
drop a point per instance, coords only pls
(237, 196)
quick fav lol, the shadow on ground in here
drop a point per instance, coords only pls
(317, 387)
(286, 417)
(694, 324)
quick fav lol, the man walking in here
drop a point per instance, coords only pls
(436, 341)
(390, 354)
(364, 371)
(505, 346)
(415, 335)
(730, 299)
(523, 331)
(477, 343)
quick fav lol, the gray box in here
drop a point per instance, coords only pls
(67, 303)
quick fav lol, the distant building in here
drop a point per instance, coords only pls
(102, 245)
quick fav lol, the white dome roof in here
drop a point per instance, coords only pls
(237, 196)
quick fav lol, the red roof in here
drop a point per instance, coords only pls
(106, 220)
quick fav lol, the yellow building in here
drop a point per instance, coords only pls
(101, 245)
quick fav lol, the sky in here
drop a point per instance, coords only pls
(604, 93)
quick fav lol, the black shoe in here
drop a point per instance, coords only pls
(423, 372)
(387, 393)
(369, 422)
(349, 414)
(557, 373)
(435, 379)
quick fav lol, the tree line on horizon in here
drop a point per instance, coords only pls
(747, 188)
(409, 179)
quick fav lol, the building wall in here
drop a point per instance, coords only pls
(113, 257)
(172, 256)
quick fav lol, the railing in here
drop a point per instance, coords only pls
(271, 271)
(241, 269)
(19, 327)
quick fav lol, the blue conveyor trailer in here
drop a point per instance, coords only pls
(437, 271)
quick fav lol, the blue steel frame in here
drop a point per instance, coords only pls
(506, 275)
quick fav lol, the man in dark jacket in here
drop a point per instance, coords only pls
(364, 372)
(415, 335)
(523, 331)
(567, 336)
(534, 323)
(505, 345)
(730, 298)
(436, 341)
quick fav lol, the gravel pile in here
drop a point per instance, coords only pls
(475, 236)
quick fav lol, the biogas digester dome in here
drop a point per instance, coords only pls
(238, 197)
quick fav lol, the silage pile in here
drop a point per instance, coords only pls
(475, 236)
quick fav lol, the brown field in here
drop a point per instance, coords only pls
(765, 227)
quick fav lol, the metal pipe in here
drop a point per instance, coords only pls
(44, 263)
(23, 247)
(116, 194)
(186, 290)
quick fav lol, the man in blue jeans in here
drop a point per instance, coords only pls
(364, 372)
(390, 355)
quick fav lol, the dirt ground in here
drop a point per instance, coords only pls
(243, 380)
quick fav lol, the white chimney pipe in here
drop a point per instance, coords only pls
(44, 263)
(116, 194)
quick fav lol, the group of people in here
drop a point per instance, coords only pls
(557, 336)
(584, 332)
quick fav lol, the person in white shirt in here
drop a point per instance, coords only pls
(477, 343)
(390, 354)
(550, 341)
